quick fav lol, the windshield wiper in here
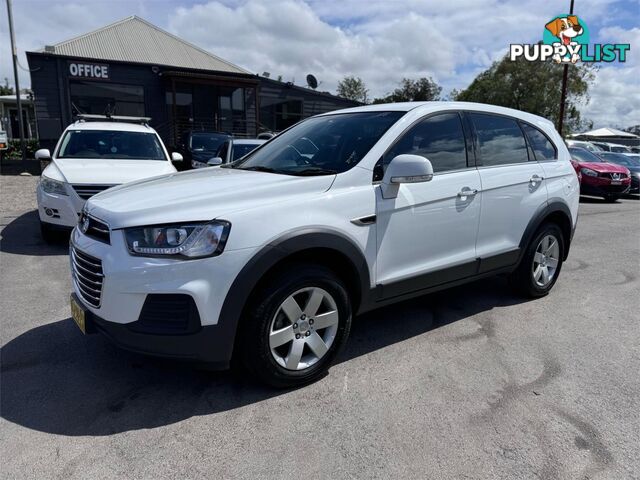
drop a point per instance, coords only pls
(307, 172)
(258, 168)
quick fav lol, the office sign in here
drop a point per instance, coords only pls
(89, 70)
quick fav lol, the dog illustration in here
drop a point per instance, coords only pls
(566, 29)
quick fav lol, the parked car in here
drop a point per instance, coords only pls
(90, 157)
(599, 177)
(612, 147)
(586, 145)
(629, 161)
(198, 147)
(267, 259)
(236, 148)
(620, 149)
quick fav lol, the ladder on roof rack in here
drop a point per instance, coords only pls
(88, 117)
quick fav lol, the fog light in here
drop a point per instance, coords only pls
(48, 212)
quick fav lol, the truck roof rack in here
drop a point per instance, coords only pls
(91, 117)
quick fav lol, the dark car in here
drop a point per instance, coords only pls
(599, 177)
(199, 147)
(632, 162)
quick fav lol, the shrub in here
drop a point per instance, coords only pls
(14, 152)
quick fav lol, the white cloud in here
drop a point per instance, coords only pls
(381, 41)
(615, 95)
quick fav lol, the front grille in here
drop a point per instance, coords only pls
(88, 275)
(87, 191)
(614, 176)
(167, 314)
(96, 229)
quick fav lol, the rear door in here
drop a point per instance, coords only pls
(430, 228)
(513, 187)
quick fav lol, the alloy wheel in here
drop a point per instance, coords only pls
(546, 260)
(303, 328)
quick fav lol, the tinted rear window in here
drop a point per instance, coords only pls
(542, 147)
(500, 140)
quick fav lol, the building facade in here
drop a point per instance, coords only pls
(9, 122)
(134, 68)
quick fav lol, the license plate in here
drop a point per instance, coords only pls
(78, 315)
(616, 182)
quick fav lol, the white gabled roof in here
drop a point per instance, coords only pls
(135, 40)
(608, 132)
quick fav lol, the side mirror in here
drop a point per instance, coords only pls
(43, 154)
(176, 157)
(405, 168)
(214, 161)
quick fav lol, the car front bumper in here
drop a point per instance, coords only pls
(603, 189)
(58, 210)
(210, 344)
(129, 281)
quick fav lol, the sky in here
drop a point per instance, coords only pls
(381, 41)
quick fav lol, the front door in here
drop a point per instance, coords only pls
(426, 236)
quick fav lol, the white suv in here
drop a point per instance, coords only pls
(90, 157)
(266, 260)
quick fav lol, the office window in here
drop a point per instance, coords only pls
(500, 140)
(102, 97)
(277, 115)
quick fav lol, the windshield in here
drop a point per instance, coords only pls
(207, 142)
(321, 145)
(620, 159)
(620, 149)
(111, 144)
(241, 149)
(584, 155)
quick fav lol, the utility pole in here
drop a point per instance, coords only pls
(563, 92)
(14, 54)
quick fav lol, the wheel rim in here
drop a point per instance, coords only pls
(303, 328)
(546, 260)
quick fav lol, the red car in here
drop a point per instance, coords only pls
(599, 178)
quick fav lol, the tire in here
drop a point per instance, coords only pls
(527, 279)
(611, 198)
(272, 311)
(48, 234)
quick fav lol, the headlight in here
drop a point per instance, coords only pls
(50, 185)
(192, 240)
(589, 172)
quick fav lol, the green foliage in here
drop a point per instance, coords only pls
(534, 87)
(423, 89)
(6, 89)
(353, 88)
(14, 152)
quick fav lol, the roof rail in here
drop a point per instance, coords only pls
(90, 117)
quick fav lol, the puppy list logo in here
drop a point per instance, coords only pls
(566, 40)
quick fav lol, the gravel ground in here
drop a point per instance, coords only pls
(469, 383)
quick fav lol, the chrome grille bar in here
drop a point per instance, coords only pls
(87, 191)
(88, 276)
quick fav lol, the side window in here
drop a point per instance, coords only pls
(542, 146)
(500, 140)
(222, 151)
(439, 138)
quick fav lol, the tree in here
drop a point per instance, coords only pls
(6, 89)
(423, 89)
(353, 88)
(534, 87)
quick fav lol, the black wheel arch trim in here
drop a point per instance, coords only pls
(276, 251)
(544, 211)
